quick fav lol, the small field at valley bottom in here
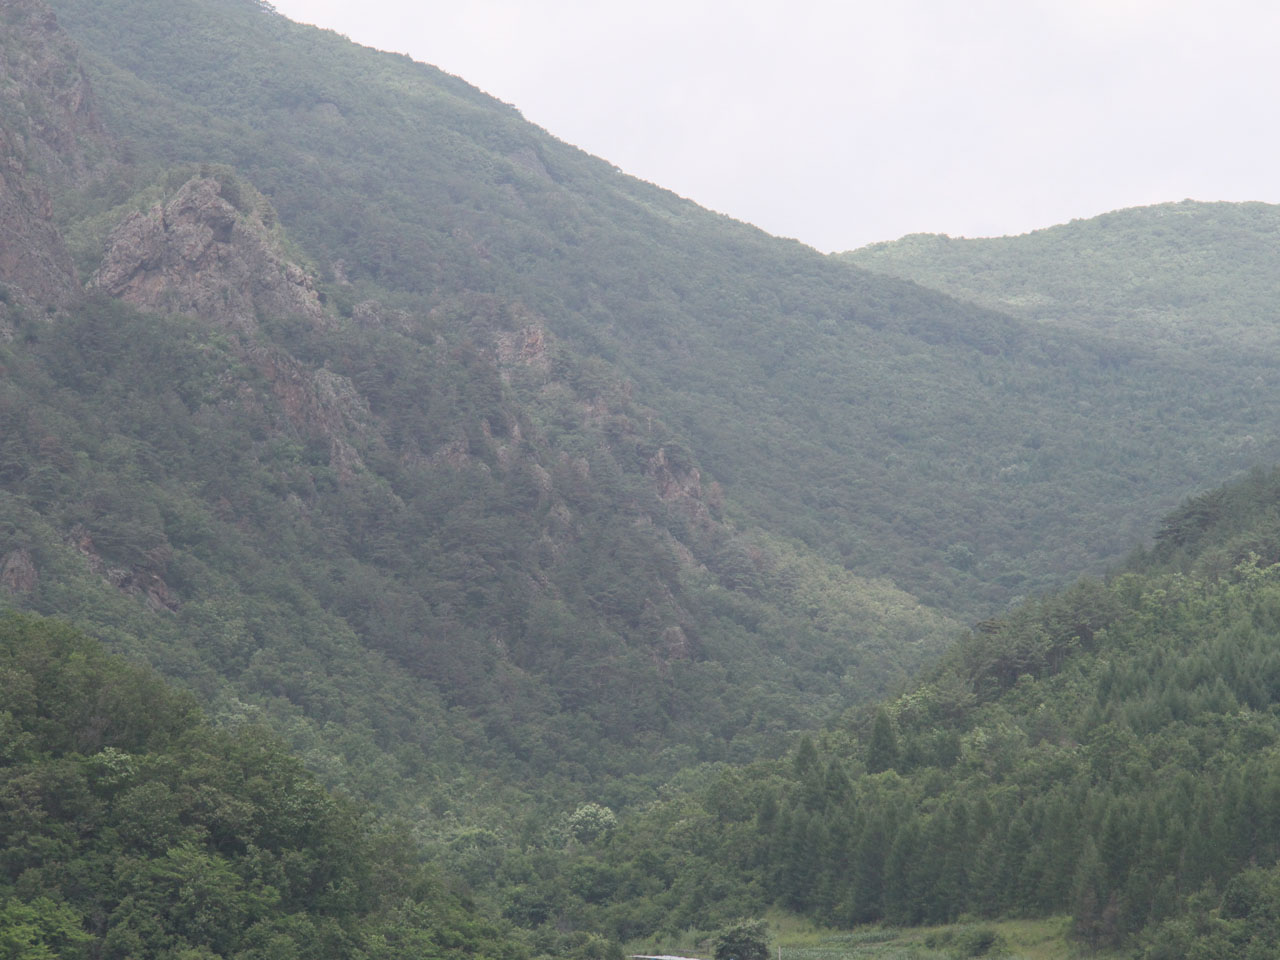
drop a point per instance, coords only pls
(792, 939)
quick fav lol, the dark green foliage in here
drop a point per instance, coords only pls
(578, 518)
(882, 750)
(1127, 763)
(129, 828)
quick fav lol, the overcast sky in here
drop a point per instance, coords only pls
(844, 123)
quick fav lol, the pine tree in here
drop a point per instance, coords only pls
(882, 750)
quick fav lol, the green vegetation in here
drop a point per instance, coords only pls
(571, 533)
(1008, 939)
(509, 605)
(1191, 275)
(1110, 751)
(743, 940)
(130, 828)
(969, 457)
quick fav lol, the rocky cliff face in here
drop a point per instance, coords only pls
(209, 251)
(45, 100)
(35, 267)
(49, 134)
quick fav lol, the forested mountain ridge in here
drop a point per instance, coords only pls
(959, 452)
(507, 489)
(1190, 275)
(479, 343)
(405, 536)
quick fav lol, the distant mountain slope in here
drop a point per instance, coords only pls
(968, 456)
(1191, 274)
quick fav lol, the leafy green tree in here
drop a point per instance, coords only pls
(40, 930)
(742, 940)
(590, 822)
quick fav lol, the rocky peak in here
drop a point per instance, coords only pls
(209, 250)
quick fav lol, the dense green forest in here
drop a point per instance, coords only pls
(546, 563)
(1194, 275)
(131, 828)
(1109, 752)
(966, 455)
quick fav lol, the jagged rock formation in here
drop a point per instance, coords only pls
(209, 251)
(320, 404)
(18, 572)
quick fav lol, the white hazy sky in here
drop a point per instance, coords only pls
(843, 123)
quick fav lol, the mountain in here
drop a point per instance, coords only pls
(542, 511)
(429, 437)
(449, 556)
(966, 455)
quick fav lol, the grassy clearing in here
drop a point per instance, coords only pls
(1007, 939)
(794, 938)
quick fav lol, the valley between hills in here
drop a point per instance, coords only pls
(420, 539)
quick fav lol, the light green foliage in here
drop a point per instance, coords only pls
(1193, 275)
(743, 940)
(40, 930)
(591, 822)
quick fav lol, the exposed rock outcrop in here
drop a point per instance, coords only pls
(319, 404)
(49, 135)
(18, 572)
(35, 267)
(45, 98)
(211, 250)
(146, 582)
(370, 314)
(526, 347)
(208, 251)
(679, 485)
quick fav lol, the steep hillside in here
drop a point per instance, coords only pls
(437, 548)
(558, 458)
(965, 455)
(50, 137)
(513, 492)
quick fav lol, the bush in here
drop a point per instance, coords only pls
(743, 940)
